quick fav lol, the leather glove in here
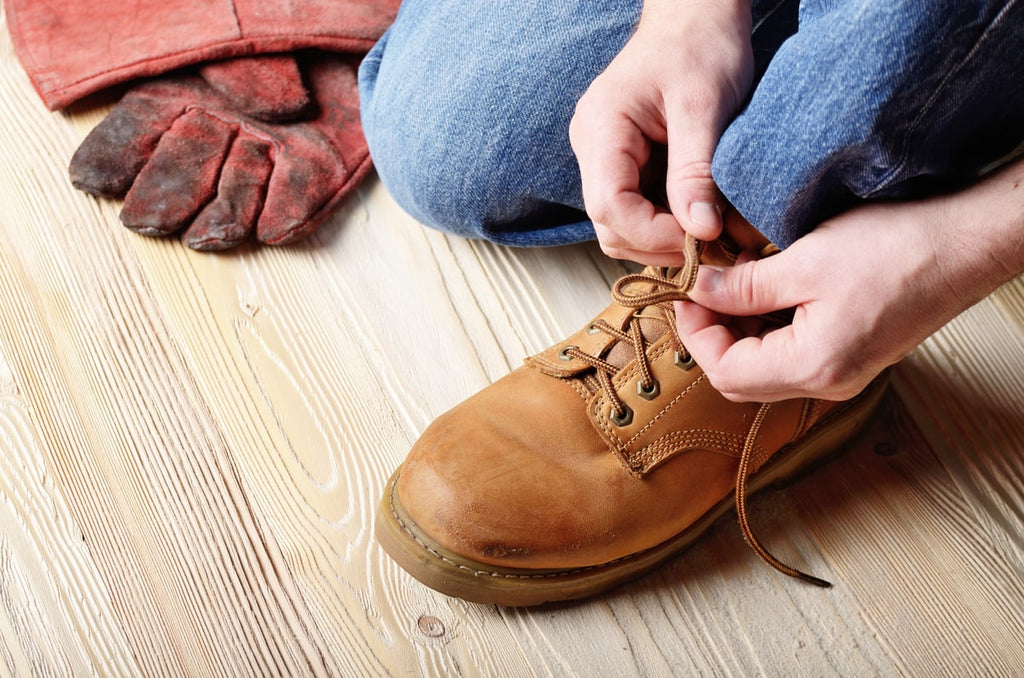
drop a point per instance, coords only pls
(71, 48)
(280, 95)
(186, 156)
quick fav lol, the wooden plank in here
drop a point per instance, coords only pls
(193, 447)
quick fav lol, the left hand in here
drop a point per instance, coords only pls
(645, 131)
(867, 287)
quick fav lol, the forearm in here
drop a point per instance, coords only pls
(983, 228)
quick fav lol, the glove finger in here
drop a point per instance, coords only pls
(231, 216)
(113, 153)
(267, 87)
(299, 188)
(180, 177)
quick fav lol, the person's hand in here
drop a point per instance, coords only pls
(677, 83)
(210, 157)
(867, 287)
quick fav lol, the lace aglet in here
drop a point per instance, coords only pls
(803, 576)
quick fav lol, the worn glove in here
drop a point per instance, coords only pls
(268, 87)
(186, 156)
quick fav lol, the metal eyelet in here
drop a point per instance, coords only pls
(623, 419)
(684, 362)
(592, 329)
(648, 393)
(564, 353)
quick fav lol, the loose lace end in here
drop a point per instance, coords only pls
(741, 506)
(803, 576)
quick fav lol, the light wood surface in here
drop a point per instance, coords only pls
(192, 447)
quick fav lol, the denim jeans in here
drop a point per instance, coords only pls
(466, 107)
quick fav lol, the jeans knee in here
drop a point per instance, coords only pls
(466, 111)
(406, 154)
(434, 162)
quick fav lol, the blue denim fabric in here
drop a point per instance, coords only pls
(466, 108)
(875, 99)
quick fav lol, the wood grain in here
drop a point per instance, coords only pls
(193, 447)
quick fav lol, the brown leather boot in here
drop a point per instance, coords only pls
(596, 460)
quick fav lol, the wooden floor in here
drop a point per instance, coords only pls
(192, 447)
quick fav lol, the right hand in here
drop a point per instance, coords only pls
(677, 83)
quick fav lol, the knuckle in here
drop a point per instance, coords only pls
(601, 214)
(588, 109)
(692, 170)
(610, 242)
(748, 284)
(716, 378)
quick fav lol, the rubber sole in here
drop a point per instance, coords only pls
(454, 575)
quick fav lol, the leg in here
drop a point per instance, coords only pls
(466, 109)
(873, 100)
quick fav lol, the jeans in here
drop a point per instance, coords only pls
(466, 108)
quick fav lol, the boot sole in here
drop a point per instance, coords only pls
(455, 575)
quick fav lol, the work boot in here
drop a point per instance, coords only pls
(598, 459)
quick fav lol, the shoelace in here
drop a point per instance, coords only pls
(662, 289)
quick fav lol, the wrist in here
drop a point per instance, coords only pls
(724, 14)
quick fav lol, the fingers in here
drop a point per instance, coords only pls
(111, 156)
(743, 367)
(751, 288)
(746, 358)
(228, 220)
(266, 87)
(613, 153)
(180, 177)
(653, 241)
(692, 194)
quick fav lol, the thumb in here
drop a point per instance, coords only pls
(693, 197)
(747, 289)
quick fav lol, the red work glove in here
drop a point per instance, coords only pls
(70, 48)
(268, 87)
(184, 156)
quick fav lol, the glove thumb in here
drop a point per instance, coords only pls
(266, 87)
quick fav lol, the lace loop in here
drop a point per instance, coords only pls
(665, 289)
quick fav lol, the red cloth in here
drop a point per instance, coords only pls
(73, 48)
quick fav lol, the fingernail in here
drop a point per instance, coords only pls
(709, 279)
(706, 215)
